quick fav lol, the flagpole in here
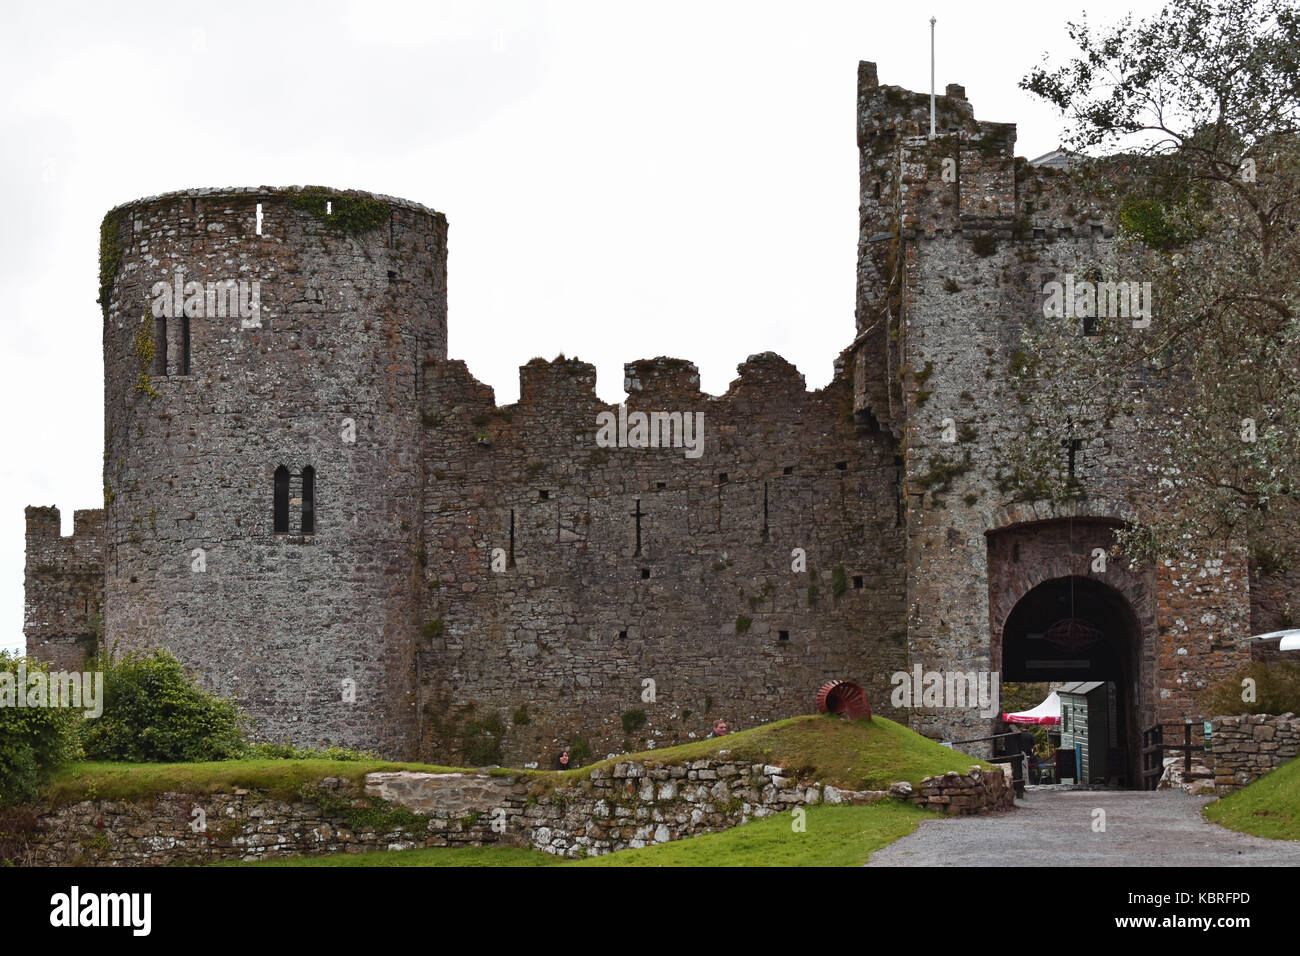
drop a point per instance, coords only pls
(932, 77)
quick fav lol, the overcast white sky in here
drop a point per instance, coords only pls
(621, 180)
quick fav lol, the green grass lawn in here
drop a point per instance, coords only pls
(833, 836)
(95, 780)
(1268, 807)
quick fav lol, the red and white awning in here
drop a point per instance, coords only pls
(1048, 712)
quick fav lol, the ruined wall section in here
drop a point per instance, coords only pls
(556, 646)
(352, 300)
(64, 587)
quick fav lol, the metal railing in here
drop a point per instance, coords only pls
(1154, 746)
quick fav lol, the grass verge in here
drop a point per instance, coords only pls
(834, 836)
(1269, 807)
(281, 779)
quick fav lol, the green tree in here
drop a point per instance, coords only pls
(1202, 101)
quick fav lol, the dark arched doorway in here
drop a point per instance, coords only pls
(1077, 629)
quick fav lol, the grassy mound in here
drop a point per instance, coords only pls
(1269, 807)
(833, 836)
(855, 755)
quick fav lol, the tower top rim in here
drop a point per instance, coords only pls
(270, 192)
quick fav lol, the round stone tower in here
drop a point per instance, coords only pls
(262, 483)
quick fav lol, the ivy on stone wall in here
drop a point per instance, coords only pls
(110, 256)
(351, 214)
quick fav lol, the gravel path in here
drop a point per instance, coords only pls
(1052, 827)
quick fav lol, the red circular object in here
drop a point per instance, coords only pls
(843, 697)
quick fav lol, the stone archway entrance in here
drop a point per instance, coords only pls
(1061, 611)
(1078, 630)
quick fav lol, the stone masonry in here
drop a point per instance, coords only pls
(1247, 747)
(458, 581)
(633, 805)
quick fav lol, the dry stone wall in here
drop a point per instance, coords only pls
(1247, 747)
(632, 805)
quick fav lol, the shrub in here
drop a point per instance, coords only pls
(1277, 691)
(1159, 225)
(633, 720)
(34, 741)
(481, 741)
(287, 751)
(839, 581)
(579, 751)
(155, 713)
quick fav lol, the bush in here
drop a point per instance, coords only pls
(155, 713)
(481, 741)
(34, 741)
(1159, 225)
(633, 720)
(1277, 691)
(287, 751)
(579, 752)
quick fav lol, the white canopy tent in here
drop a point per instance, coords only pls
(1048, 712)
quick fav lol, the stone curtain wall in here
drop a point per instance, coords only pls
(556, 644)
(63, 587)
(277, 621)
(634, 805)
(1247, 747)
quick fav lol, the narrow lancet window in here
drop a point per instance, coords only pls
(282, 500)
(309, 500)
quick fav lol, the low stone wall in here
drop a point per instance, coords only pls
(1245, 748)
(961, 794)
(180, 828)
(631, 805)
(638, 804)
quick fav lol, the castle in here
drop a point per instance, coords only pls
(331, 521)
